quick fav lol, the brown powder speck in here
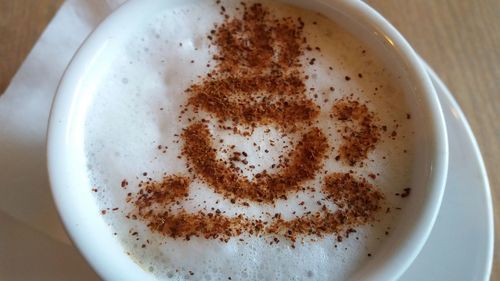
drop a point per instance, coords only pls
(406, 192)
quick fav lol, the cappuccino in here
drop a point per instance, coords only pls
(249, 141)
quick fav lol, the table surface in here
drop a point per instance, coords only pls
(459, 39)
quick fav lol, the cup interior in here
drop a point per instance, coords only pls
(67, 160)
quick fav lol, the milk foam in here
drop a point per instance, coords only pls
(136, 109)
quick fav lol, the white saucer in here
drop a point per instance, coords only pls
(460, 246)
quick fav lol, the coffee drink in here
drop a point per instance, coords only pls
(249, 141)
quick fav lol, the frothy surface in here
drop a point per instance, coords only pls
(133, 132)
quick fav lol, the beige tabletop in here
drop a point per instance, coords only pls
(460, 39)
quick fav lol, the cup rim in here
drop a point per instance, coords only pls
(61, 109)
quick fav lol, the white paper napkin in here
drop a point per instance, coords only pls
(24, 110)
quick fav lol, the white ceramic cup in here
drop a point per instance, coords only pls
(66, 157)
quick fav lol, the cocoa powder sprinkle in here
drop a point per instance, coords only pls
(358, 203)
(257, 80)
(303, 164)
(359, 131)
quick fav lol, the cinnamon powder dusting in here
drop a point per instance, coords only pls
(359, 132)
(356, 198)
(258, 80)
(358, 202)
(168, 190)
(302, 165)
